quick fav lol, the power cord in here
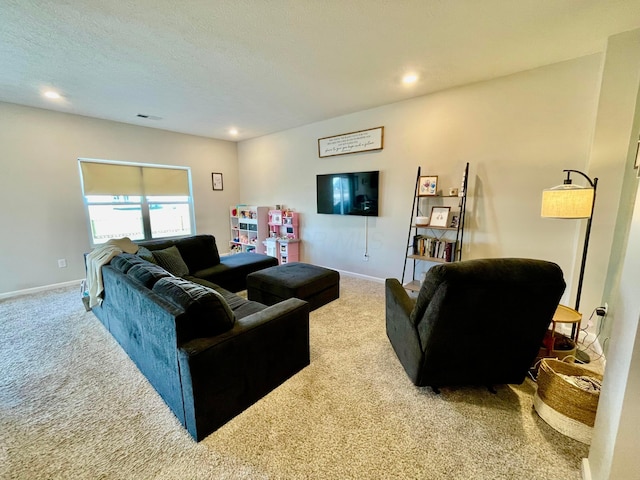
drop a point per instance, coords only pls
(600, 312)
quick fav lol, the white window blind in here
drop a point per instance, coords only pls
(114, 179)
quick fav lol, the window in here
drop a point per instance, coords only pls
(114, 217)
(141, 202)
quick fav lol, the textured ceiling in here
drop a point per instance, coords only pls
(268, 65)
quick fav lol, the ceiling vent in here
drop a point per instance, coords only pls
(149, 117)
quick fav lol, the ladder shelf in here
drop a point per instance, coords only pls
(434, 244)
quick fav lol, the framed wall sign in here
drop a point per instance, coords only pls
(216, 181)
(428, 186)
(360, 141)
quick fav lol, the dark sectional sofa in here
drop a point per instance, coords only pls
(200, 253)
(208, 352)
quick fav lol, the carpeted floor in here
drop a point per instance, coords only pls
(72, 405)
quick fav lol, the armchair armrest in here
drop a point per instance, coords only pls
(401, 331)
(398, 301)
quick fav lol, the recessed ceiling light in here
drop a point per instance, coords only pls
(410, 78)
(52, 95)
(233, 131)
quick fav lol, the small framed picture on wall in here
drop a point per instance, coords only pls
(428, 186)
(216, 181)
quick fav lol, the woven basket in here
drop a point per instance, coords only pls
(567, 408)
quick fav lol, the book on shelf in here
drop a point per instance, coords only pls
(432, 247)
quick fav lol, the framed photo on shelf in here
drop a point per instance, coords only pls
(216, 181)
(439, 217)
(454, 219)
(428, 186)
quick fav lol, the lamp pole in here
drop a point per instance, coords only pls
(594, 185)
(581, 355)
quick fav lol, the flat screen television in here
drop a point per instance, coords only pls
(354, 193)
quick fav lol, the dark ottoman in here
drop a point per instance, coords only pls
(316, 285)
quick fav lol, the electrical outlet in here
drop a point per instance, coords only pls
(606, 308)
(62, 263)
(365, 258)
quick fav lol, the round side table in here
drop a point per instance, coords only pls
(564, 314)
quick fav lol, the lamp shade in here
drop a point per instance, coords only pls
(567, 201)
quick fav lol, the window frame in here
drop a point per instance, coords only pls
(144, 200)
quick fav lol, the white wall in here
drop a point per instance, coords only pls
(41, 207)
(518, 133)
(614, 447)
(612, 155)
(613, 452)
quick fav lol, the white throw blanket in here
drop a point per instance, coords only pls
(100, 256)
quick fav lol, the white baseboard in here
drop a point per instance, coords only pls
(586, 469)
(43, 288)
(357, 275)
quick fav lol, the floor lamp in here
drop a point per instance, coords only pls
(571, 201)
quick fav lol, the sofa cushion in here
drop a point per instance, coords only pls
(199, 252)
(154, 245)
(149, 274)
(232, 271)
(240, 306)
(171, 260)
(207, 313)
(125, 261)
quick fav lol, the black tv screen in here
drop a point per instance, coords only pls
(353, 193)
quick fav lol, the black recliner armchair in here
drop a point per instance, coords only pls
(476, 322)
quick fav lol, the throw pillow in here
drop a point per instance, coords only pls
(148, 274)
(171, 260)
(207, 312)
(144, 252)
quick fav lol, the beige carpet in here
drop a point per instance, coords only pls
(72, 405)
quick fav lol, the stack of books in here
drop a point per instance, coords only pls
(426, 246)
